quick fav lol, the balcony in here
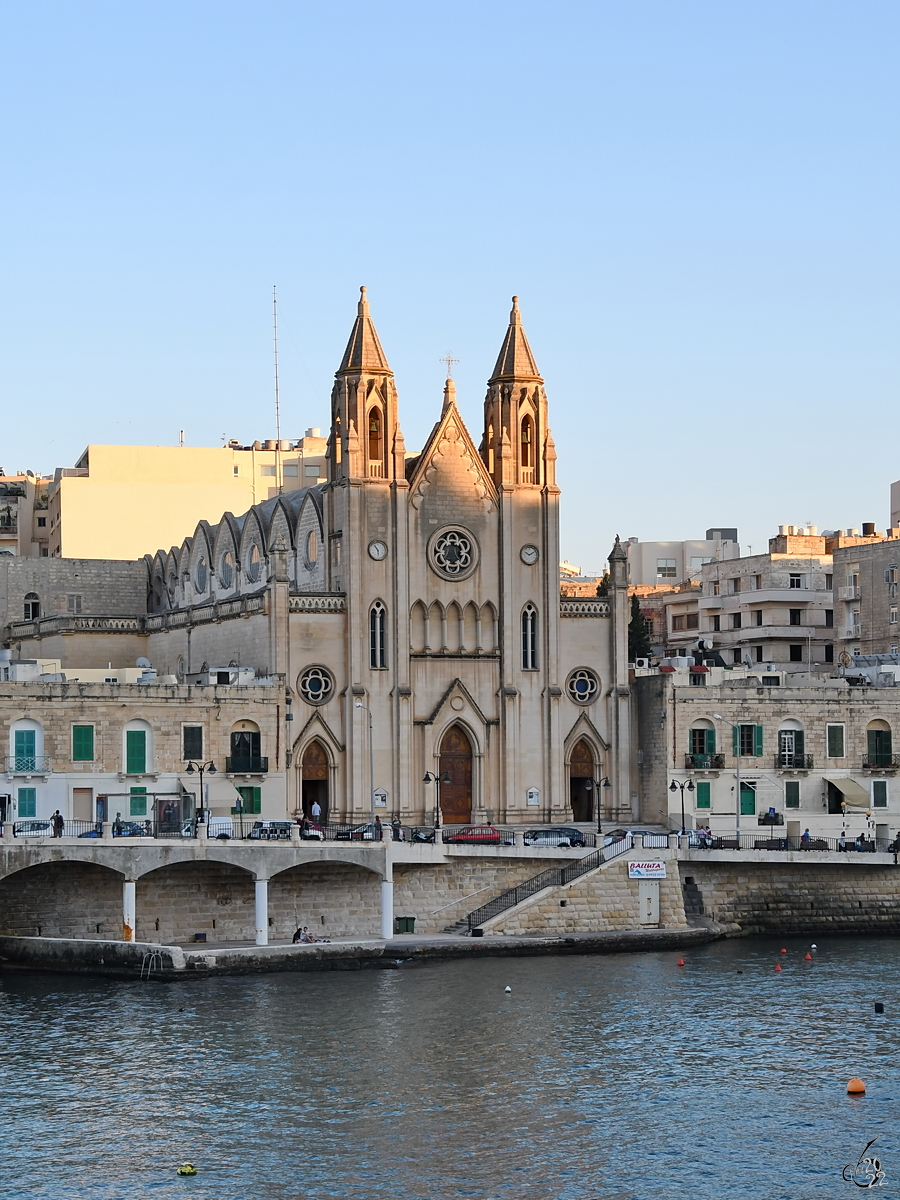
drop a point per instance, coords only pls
(704, 762)
(881, 762)
(848, 593)
(793, 762)
(28, 764)
(246, 766)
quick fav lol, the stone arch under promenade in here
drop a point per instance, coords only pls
(334, 899)
(175, 902)
(64, 898)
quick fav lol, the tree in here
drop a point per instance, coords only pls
(603, 585)
(638, 633)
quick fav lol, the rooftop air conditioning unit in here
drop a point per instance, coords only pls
(642, 662)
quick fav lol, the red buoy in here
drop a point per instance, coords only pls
(783, 950)
(778, 966)
(681, 962)
(808, 956)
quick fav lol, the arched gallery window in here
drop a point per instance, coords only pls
(32, 606)
(377, 657)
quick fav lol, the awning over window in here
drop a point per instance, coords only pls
(852, 792)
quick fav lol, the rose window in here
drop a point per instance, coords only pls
(315, 685)
(583, 686)
(453, 553)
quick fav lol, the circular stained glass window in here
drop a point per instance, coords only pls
(315, 685)
(453, 553)
(583, 686)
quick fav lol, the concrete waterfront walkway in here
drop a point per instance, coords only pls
(135, 960)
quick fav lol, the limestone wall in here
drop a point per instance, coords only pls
(464, 885)
(76, 900)
(602, 901)
(803, 899)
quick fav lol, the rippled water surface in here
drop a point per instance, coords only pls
(622, 1077)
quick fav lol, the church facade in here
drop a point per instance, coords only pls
(409, 607)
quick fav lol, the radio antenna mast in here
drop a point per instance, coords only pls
(278, 478)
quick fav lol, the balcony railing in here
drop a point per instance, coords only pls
(246, 766)
(793, 762)
(849, 593)
(704, 762)
(881, 762)
(29, 764)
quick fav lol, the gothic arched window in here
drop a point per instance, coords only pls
(377, 657)
(527, 442)
(529, 638)
(32, 606)
(337, 446)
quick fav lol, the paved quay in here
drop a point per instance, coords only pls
(135, 960)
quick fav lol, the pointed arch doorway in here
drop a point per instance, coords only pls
(582, 782)
(456, 761)
(314, 781)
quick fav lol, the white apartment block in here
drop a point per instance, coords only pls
(668, 563)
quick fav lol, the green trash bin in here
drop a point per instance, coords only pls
(404, 924)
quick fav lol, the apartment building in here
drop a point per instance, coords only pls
(775, 608)
(120, 502)
(867, 569)
(653, 564)
(24, 524)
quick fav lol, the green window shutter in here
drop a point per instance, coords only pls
(24, 744)
(748, 801)
(27, 801)
(835, 741)
(135, 752)
(710, 741)
(252, 798)
(192, 737)
(879, 793)
(757, 740)
(792, 794)
(138, 802)
(886, 746)
(82, 743)
(703, 794)
(736, 740)
(798, 742)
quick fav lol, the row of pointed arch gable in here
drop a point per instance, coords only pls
(265, 525)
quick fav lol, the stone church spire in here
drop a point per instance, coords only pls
(514, 447)
(364, 400)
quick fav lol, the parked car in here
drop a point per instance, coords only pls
(616, 835)
(360, 833)
(310, 831)
(482, 835)
(216, 827)
(130, 829)
(33, 829)
(272, 831)
(554, 837)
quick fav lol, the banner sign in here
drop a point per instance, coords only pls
(647, 870)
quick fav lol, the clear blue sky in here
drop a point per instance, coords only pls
(696, 202)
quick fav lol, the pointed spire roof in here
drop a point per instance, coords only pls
(449, 394)
(364, 352)
(515, 360)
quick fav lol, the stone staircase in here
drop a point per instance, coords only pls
(693, 902)
(551, 878)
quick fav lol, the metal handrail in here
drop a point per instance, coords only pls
(553, 877)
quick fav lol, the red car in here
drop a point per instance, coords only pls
(482, 835)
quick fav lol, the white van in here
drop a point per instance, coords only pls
(216, 827)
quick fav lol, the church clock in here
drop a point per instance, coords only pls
(529, 555)
(377, 550)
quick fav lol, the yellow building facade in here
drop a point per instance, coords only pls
(119, 502)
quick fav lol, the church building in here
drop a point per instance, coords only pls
(409, 608)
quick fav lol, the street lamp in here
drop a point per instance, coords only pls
(209, 768)
(437, 781)
(680, 785)
(359, 704)
(595, 787)
(737, 803)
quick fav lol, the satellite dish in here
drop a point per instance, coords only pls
(142, 662)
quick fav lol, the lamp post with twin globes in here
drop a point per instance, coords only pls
(680, 785)
(210, 769)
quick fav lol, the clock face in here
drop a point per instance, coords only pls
(529, 555)
(378, 550)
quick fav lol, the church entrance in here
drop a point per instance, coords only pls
(314, 786)
(456, 761)
(582, 782)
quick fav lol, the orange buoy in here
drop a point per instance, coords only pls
(778, 966)
(808, 956)
(856, 1087)
(681, 962)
